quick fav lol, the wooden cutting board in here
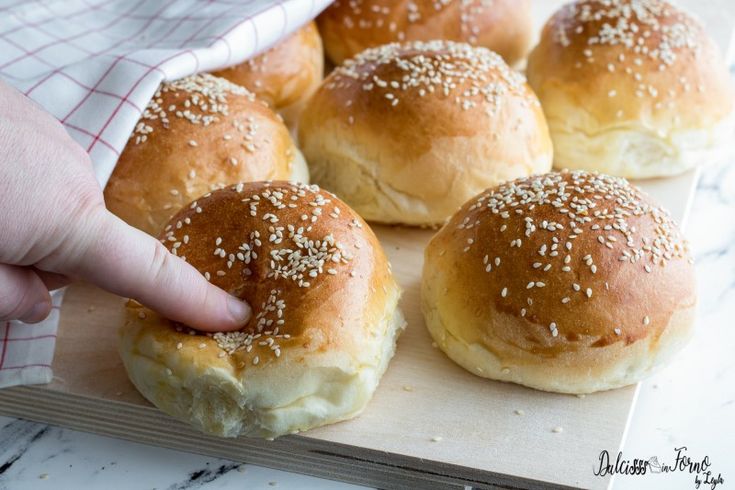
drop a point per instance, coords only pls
(423, 396)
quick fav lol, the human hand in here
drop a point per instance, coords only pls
(54, 228)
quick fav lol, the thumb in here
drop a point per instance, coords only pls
(128, 262)
(23, 296)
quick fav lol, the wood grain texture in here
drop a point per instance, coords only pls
(423, 395)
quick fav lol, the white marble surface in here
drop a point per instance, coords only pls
(691, 403)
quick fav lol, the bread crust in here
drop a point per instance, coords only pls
(634, 89)
(401, 146)
(569, 282)
(349, 26)
(197, 134)
(286, 75)
(325, 316)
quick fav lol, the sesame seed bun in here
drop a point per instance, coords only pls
(351, 26)
(197, 134)
(632, 88)
(568, 282)
(325, 316)
(286, 75)
(406, 133)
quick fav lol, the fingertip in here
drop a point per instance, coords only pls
(38, 312)
(239, 310)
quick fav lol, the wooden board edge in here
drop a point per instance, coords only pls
(292, 453)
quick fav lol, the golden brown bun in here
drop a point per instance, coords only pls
(351, 26)
(635, 89)
(197, 134)
(568, 282)
(402, 147)
(325, 316)
(286, 75)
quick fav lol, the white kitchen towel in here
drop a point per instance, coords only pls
(95, 64)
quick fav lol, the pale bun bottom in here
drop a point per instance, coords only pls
(589, 371)
(356, 179)
(299, 168)
(636, 151)
(293, 394)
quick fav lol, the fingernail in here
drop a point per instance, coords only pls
(239, 310)
(39, 311)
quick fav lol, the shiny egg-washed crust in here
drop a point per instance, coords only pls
(286, 75)
(635, 89)
(325, 316)
(182, 149)
(530, 283)
(350, 26)
(411, 149)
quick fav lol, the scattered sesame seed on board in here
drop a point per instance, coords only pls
(557, 430)
(437, 439)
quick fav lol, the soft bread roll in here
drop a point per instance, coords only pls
(568, 282)
(351, 26)
(632, 88)
(197, 134)
(325, 316)
(286, 75)
(406, 133)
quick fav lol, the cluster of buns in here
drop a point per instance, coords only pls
(566, 281)
(325, 324)
(632, 88)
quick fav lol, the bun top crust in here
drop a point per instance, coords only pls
(350, 26)
(197, 133)
(631, 60)
(283, 74)
(450, 77)
(313, 271)
(586, 260)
